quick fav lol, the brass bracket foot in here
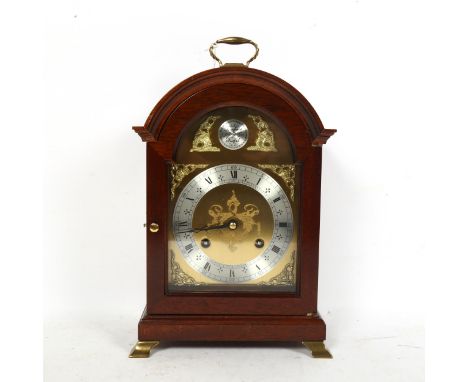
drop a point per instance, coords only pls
(142, 349)
(317, 348)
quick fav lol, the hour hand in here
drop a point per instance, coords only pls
(206, 228)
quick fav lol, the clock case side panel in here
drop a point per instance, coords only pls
(157, 200)
(165, 125)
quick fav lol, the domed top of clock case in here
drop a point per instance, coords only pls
(233, 85)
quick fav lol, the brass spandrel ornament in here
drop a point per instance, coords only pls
(202, 141)
(265, 140)
(287, 276)
(232, 245)
(178, 276)
(179, 172)
(287, 172)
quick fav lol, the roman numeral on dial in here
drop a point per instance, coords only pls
(189, 248)
(234, 174)
(275, 249)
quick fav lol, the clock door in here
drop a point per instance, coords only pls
(234, 205)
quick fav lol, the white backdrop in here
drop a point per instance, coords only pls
(367, 67)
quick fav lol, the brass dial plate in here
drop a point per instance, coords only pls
(226, 194)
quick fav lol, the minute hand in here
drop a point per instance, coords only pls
(206, 228)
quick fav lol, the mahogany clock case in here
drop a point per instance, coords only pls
(234, 316)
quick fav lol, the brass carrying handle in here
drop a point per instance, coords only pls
(233, 41)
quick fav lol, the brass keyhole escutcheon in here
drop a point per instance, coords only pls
(154, 227)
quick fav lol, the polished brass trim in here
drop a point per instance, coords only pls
(154, 227)
(220, 216)
(287, 172)
(317, 349)
(287, 276)
(179, 172)
(233, 65)
(178, 276)
(233, 41)
(142, 349)
(265, 140)
(202, 140)
(247, 215)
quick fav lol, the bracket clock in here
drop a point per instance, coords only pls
(233, 158)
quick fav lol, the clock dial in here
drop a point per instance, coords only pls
(233, 223)
(233, 134)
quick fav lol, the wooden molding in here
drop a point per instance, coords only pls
(322, 138)
(218, 87)
(144, 134)
(231, 328)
